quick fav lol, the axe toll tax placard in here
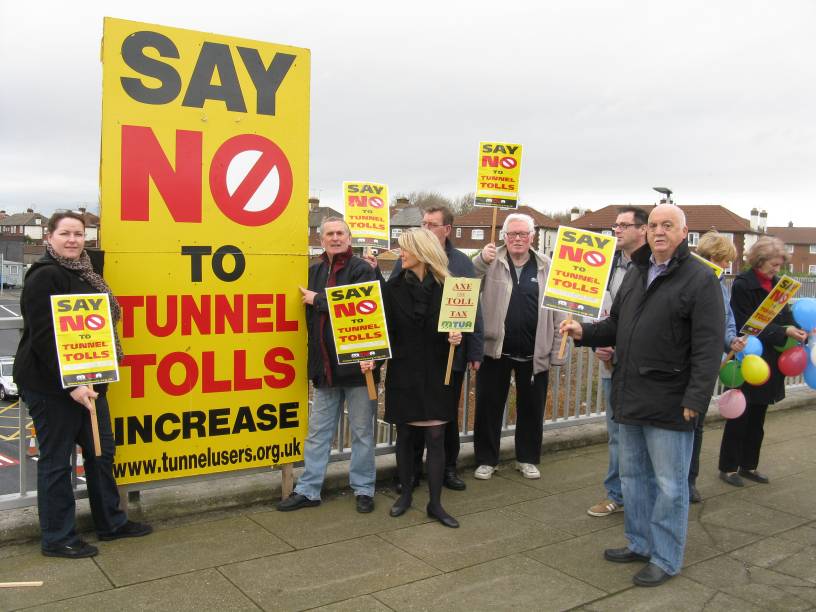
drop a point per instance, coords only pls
(497, 178)
(367, 214)
(83, 330)
(460, 298)
(358, 322)
(771, 306)
(579, 272)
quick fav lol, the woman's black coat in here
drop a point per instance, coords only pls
(415, 387)
(746, 295)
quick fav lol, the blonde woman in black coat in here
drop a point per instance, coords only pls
(416, 397)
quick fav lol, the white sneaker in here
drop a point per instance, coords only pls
(528, 470)
(484, 472)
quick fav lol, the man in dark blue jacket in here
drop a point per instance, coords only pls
(333, 383)
(666, 325)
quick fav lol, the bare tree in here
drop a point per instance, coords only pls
(425, 199)
(464, 203)
(563, 216)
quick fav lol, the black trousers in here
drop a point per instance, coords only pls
(492, 386)
(694, 468)
(742, 439)
(61, 424)
(451, 431)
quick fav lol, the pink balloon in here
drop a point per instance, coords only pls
(731, 404)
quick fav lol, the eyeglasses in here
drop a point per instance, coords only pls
(429, 225)
(625, 226)
(514, 235)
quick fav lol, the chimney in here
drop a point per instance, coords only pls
(790, 223)
(574, 213)
(763, 220)
(754, 219)
(29, 210)
(81, 210)
(314, 203)
(402, 202)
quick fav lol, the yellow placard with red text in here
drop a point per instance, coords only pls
(358, 322)
(771, 306)
(367, 214)
(204, 182)
(497, 176)
(460, 300)
(579, 272)
(83, 330)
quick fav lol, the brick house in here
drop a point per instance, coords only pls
(316, 215)
(801, 244)
(471, 232)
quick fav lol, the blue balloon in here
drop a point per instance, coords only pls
(753, 346)
(810, 375)
(804, 311)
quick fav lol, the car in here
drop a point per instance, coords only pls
(7, 386)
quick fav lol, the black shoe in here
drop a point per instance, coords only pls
(415, 485)
(365, 504)
(755, 476)
(80, 550)
(623, 555)
(443, 517)
(732, 478)
(650, 576)
(453, 482)
(296, 501)
(130, 529)
(694, 495)
(400, 506)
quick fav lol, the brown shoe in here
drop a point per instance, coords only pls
(605, 508)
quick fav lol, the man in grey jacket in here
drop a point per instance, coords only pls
(520, 340)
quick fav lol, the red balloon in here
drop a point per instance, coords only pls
(793, 361)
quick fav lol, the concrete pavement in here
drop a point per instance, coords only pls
(523, 544)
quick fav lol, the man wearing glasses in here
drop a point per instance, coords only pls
(520, 339)
(630, 231)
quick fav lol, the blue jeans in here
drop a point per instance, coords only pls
(654, 466)
(327, 408)
(612, 482)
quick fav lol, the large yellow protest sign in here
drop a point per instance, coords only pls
(204, 182)
(579, 272)
(83, 330)
(771, 306)
(460, 300)
(497, 179)
(358, 322)
(367, 214)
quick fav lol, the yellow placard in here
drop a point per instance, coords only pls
(497, 177)
(579, 271)
(358, 322)
(204, 184)
(771, 306)
(460, 300)
(718, 271)
(367, 214)
(83, 329)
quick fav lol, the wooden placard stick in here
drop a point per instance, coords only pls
(450, 364)
(493, 226)
(287, 480)
(564, 340)
(11, 585)
(729, 357)
(372, 388)
(95, 427)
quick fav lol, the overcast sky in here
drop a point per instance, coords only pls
(714, 99)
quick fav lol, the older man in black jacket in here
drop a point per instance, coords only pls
(666, 325)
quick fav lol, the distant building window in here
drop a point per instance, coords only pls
(607, 232)
(458, 232)
(693, 238)
(813, 249)
(396, 232)
(789, 248)
(728, 235)
(477, 234)
(37, 221)
(812, 270)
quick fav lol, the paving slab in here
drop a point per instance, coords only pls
(194, 592)
(568, 511)
(482, 537)
(560, 475)
(333, 521)
(62, 578)
(184, 549)
(325, 574)
(511, 583)
(793, 495)
(366, 603)
(679, 593)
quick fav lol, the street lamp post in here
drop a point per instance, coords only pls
(666, 192)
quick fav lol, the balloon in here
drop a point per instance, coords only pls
(804, 312)
(810, 376)
(793, 361)
(730, 374)
(755, 370)
(789, 343)
(731, 404)
(753, 346)
(813, 355)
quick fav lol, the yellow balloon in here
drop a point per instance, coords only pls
(755, 370)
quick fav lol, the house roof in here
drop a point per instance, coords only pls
(699, 218)
(316, 216)
(794, 235)
(482, 216)
(410, 216)
(26, 218)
